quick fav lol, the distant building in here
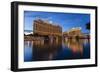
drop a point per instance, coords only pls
(74, 33)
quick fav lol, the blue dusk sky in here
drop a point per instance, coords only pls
(66, 20)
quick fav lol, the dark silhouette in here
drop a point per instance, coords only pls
(88, 26)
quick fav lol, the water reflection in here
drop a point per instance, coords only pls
(75, 45)
(68, 49)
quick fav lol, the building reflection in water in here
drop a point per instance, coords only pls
(76, 45)
(69, 49)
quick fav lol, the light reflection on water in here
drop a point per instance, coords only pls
(68, 49)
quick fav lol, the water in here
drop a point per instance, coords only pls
(68, 49)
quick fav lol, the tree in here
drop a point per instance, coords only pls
(88, 26)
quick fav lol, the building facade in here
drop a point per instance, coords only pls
(50, 32)
(41, 27)
(74, 33)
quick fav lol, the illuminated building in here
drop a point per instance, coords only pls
(47, 30)
(41, 27)
(74, 33)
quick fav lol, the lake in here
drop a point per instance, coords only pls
(66, 50)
